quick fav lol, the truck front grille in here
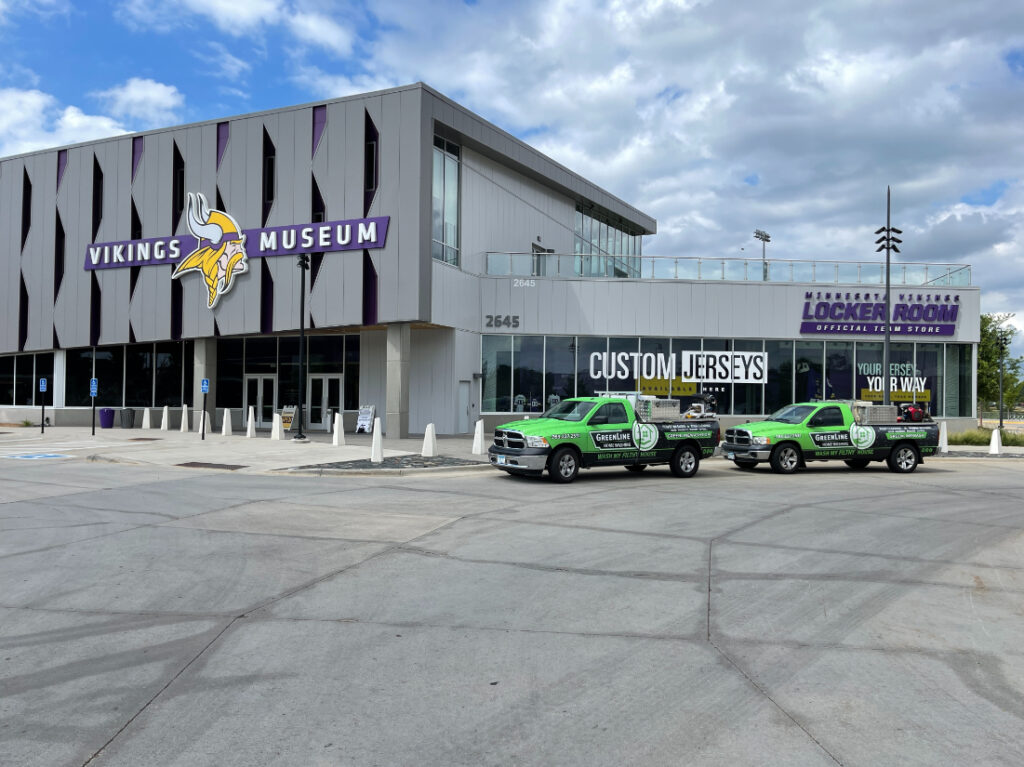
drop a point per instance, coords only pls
(509, 439)
(737, 436)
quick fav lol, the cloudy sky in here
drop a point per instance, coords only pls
(714, 117)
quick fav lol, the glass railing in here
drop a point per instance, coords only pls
(567, 265)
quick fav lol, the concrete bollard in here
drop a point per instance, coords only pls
(377, 445)
(165, 418)
(250, 426)
(478, 438)
(339, 431)
(429, 442)
(225, 428)
(995, 445)
(943, 438)
(184, 418)
(145, 419)
(277, 430)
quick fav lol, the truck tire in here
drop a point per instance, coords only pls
(857, 463)
(636, 468)
(785, 458)
(564, 466)
(903, 459)
(685, 461)
(744, 463)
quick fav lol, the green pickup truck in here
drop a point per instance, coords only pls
(854, 432)
(604, 431)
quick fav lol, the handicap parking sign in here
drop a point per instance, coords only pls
(205, 383)
(94, 385)
(42, 385)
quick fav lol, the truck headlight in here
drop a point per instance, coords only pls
(760, 440)
(536, 441)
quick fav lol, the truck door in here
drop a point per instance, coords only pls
(827, 432)
(611, 435)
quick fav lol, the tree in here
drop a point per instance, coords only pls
(993, 331)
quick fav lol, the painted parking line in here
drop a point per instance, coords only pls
(35, 456)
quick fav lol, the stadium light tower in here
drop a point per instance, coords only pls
(764, 237)
(887, 242)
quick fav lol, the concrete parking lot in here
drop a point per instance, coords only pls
(157, 615)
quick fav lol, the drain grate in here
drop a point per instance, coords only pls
(201, 465)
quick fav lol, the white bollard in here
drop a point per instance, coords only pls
(277, 430)
(478, 438)
(184, 418)
(225, 428)
(250, 426)
(339, 431)
(202, 424)
(943, 438)
(377, 445)
(429, 442)
(995, 445)
(145, 419)
(165, 418)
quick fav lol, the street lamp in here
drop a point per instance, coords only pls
(303, 264)
(1003, 343)
(887, 242)
(764, 237)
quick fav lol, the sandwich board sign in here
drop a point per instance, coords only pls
(364, 421)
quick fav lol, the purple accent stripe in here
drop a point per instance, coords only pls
(138, 146)
(223, 133)
(319, 123)
(62, 164)
(876, 329)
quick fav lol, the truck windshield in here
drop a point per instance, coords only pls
(792, 413)
(569, 410)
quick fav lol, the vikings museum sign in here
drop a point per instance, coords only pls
(219, 249)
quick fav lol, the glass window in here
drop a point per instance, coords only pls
(929, 367)
(445, 202)
(559, 368)
(44, 369)
(902, 370)
(683, 389)
(586, 384)
(869, 371)
(110, 376)
(168, 369)
(138, 375)
(351, 372)
(778, 391)
(496, 372)
(652, 381)
(6, 380)
(722, 392)
(959, 396)
(810, 366)
(528, 374)
(24, 370)
(839, 370)
(230, 364)
(622, 359)
(829, 416)
(746, 398)
(326, 354)
(188, 362)
(288, 371)
(613, 413)
(78, 364)
(261, 355)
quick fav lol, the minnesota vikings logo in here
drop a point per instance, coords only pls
(220, 253)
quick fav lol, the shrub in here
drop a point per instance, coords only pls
(984, 437)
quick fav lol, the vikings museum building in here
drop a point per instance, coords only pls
(454, 273)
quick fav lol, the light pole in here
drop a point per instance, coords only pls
(764, 237)
(303, 264)
(887, 242)
(1002, 356)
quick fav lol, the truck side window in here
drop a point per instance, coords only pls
(829, 416)
(612, 412)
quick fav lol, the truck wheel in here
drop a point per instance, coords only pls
(857, 463)
(743, 463)
(903, 459)
(565, 465)
(785, 459)
(636, 468)
(685, 462)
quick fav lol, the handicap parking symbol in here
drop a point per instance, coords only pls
(36, 456)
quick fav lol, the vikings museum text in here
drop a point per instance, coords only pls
(455, 273)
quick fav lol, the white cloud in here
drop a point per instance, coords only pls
(320, 30)
(223, 63)
(32, 120)
(144, 102)
(233, 17)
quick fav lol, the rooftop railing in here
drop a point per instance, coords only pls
(568, 265)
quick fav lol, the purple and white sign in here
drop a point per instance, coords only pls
(913, 314)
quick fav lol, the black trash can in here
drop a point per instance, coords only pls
(106, 418)
(127, 418)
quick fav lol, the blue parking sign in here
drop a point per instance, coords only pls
(205, 383)
(94, 386)
(42, 385)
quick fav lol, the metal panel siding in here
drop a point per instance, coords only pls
(72, 315)
(37, 266)
(373, 371)
(114, 225)
(10, 246)
(432, 383)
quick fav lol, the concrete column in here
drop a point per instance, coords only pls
(60, 378)
(204, 357)
(399, 347)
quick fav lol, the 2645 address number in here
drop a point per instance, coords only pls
(501, 320)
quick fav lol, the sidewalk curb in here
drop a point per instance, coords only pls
(382, 472)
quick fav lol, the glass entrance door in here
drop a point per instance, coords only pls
(261, 396)
(324, 400)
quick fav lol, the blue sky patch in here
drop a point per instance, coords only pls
(986, 196)
(1015, 61)
(752, 180)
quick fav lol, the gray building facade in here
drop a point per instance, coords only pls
(455, 273)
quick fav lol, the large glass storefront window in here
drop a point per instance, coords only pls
(138, 375)
(586, 384)
(78, 371)
(496, 374)
(869, 371)
(959, 396)
(44, 369)
(722, 392)
(839, 370)
(528, 374)
(110, 376)
(445, 202)
(810, 367)
(230, 357)
(653, 381)
(6, 380)
(24, 372)
(168, 369)
(622, 369)
(746, 398)
(559, 369)
(351, 372)
(778, 392)
(929, 366)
